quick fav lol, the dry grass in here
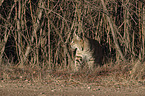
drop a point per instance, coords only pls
(36, 36)
(124, 74)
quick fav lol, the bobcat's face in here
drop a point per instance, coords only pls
(88, 50)
(77, 43)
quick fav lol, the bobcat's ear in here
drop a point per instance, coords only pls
(77, 37)
(75, 34)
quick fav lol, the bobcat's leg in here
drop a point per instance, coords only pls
(91, 63)
(78, 61)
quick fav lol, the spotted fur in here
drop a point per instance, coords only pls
(87, 50)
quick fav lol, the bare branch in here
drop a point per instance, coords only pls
(113, 29)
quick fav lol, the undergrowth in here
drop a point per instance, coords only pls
(124, 73)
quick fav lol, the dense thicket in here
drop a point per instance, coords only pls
(38, 32)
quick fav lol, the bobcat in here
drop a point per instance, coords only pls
(87, 50)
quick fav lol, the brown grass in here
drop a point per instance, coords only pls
(35, 37)
(124, 74)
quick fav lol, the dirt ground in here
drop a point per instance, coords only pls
(66, 88)
(67, 84)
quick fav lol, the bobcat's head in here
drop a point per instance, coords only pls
(77, 43)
